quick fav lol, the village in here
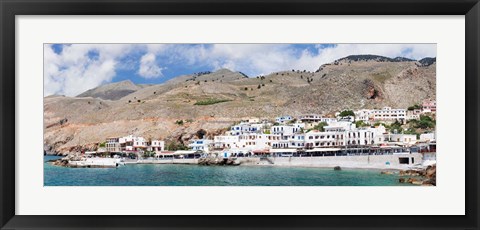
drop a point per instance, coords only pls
(374, 132)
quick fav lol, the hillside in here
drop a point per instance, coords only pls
(214, 101)
(113, 91)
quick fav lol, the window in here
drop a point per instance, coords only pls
(403, 160)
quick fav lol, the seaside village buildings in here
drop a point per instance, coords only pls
(130, 144)
(289, 135)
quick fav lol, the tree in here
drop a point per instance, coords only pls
(346, 113)
(396, 126)
(413, 107)
(259, 86)
(320, 126)
(179, 122)
(360, 123)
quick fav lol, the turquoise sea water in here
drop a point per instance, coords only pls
(196, 175)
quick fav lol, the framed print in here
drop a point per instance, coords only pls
(248, 115)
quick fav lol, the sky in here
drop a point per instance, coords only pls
(71, 69)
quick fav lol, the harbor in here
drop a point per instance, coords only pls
(199, 175)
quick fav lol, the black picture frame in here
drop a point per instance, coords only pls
(10, 8)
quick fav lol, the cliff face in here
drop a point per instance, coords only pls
(152, 111)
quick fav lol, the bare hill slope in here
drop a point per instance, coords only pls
(214, 101)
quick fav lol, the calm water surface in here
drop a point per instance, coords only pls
(196, 175)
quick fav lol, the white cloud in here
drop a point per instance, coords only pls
(80, 67)
(257, 59)
(148, 67)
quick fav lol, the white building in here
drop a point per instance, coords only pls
(126, 143)
(364, 115)
(405, 139)
(226, 142)
(323, 139)
(243, 128)
(428, 137)
(251, 120)
(286, 130)
(283, 119)
(429, 106)
(413, 114)
(200, 145)
(389, 114)
(112, 145)
(315, 118)
(157, 146)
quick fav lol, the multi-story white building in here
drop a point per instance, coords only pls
(283, 119)
(315, 118)
(201, 145)
(297, 141)
(126, 143)
(364, 115)
(112, 145)
(389, 114)
(323, 139)
(251, 120)
(157, 146)
(429, 106)
(226, 142)
(428, 137)
(286, 130)
(413, 114)
(243, 128)
(406, 139)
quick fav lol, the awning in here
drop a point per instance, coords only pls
(389, 147)
(261, 151)
(283, 150)
(239, 150)
(323, 150)
(183, 152)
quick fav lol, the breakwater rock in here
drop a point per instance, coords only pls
(424, 177)
(218, 161)
(65, 161)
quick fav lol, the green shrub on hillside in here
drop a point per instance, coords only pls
(210, 101)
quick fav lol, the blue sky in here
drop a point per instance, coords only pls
(70, 69)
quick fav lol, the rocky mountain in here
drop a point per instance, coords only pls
(376, 58)
(113, 91)
(427, 61)
(214, 101)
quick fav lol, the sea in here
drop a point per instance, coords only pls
(198, 175)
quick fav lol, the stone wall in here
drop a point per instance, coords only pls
(372, 161)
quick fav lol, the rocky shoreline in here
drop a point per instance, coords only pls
(218, 161)
(423, 177)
